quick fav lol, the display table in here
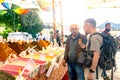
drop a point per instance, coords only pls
(42, 70)
(17, 66)
(57, 74)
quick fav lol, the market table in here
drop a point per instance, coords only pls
(41, 69)
(56, 74)
(18, 65)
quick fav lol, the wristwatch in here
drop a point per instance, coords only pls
(92, 71)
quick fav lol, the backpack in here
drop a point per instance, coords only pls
(108, 51)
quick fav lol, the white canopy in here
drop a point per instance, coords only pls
(22, 3)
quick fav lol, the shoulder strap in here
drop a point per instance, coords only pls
(88, 42)
(97, 33)
(89, 37)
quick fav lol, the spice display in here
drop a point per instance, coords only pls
(43, 43)
(5, 51)
(38, 47)
(6, 76)
(31, 44)
(48, 42)
(11, 58)
(16, 47)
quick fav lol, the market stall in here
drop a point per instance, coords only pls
(43, 65)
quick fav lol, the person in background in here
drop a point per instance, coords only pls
(65, 39)
(37, 36)
(95, 44)
(106, 32)
(73, 47)
(52, 38)
(41, 37)
(58, 38)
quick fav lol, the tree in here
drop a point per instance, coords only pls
(31, 23)
(5, 32)
(12, 20)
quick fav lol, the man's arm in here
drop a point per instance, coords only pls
(66, 51)
(95, 60)
(96, 42)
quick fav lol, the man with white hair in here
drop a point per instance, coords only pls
(74, 46)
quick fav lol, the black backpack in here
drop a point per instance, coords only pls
(108, 51)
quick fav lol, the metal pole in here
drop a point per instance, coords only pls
(54, 20)
(61, 21)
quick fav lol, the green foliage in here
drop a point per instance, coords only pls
(5, 32)
(1, 17)
(32, 29)
(11, 20)
(31, 23)
(2, 24)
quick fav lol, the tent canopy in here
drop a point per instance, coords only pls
(113, 25)
(22, 3)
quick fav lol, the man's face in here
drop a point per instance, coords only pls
(86, 28)
(74, 29)
(108, 28)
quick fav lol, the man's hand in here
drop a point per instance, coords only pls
(90, 76)
(64, 63)
(81, 44)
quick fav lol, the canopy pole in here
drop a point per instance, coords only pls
(61, 21)
(54, 20)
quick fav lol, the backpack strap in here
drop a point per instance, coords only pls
(88, 42)
(97, 73)
(112, 74)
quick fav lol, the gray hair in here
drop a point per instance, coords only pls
(91, 21)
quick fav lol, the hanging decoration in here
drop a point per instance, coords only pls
(21, 11)
(2, 1)
(15, 8)
(46, 5)
(7, 5)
